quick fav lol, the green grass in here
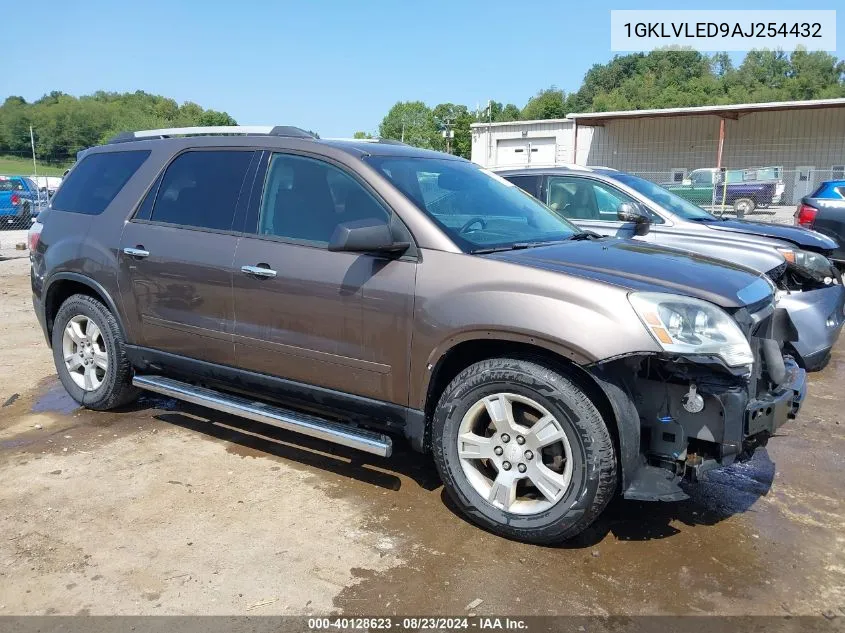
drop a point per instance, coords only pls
(16, 166)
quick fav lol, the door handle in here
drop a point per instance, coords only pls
(136, 252)
(258, 271)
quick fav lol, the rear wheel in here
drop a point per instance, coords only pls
(744, 206)
(88, 350)
(523, 451)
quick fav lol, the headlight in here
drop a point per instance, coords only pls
(808, 260)
(690, 326)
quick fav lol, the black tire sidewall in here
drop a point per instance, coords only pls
(96, 312)
(545, 387)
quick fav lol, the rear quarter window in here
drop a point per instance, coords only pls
(91, 186)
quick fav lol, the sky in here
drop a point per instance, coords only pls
(330, 66)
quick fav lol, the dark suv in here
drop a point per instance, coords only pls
(354, 290)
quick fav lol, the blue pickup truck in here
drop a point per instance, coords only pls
(19, 201)
(743, 189)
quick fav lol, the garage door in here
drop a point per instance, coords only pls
(522, 152)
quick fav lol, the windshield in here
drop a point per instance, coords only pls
(664, 197)
(477, 209)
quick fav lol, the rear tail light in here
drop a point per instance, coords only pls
(16, 199)
(34, 236)
(805, 215)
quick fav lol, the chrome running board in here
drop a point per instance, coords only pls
(311, 425)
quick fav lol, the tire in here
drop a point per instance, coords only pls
(744, 206)
(529, 515)
(92, 385)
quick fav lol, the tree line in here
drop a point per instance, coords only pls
(659, 79)
(63, 124)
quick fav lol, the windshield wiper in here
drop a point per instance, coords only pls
(518, 246)
(498, 249)
(584, 235)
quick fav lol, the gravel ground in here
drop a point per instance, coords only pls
(776, 214)
(165, 508)
(9, 241)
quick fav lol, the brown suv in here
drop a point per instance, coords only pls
(354, 290)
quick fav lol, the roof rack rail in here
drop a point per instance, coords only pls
(377, 139)
(263, 130)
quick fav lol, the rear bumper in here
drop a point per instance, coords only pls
(38, 304)
(818, 316)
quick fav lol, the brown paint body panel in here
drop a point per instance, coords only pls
(335, 320)
(364, 326)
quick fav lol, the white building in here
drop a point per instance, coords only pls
(805, 139)
(521, 143)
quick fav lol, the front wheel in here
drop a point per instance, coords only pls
(523, 451)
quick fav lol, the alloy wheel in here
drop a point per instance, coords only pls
(84, 353)
(515, 453)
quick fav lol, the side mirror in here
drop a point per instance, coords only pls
(686, 182)
(631, 212)
(365, 236)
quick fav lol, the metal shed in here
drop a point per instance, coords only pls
(803, 140)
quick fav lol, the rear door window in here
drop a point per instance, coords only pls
(91, 186)
(200, 189)
(529, 184)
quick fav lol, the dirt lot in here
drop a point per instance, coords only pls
(170, 509)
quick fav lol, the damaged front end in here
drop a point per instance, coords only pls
(688, 413)
(810, 288)
(804, 271)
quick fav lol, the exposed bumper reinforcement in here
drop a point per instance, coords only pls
(773, 410)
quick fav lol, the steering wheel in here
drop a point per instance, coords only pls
(475, 220)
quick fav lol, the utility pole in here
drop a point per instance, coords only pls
(403, 131)
(448, 133)
(489, 131)
(35, 166)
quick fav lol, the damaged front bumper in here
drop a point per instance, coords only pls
(688, 414)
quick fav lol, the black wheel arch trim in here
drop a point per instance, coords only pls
(86, 281)
(627, 422)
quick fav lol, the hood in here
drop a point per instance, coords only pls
(801, 237)
(639, 266)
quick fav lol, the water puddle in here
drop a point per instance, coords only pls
(17, 443)
(55, 400)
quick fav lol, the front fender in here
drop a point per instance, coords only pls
(581, 320)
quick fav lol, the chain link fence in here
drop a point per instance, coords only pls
(769, 193)
(767, 161)
(22, 197)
